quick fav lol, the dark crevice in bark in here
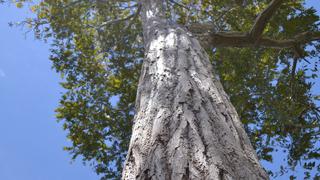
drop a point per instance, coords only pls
(221, 174)
(186, 176)
(146, 174)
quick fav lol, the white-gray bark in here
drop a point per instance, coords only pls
(185, 126)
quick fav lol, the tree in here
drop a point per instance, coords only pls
(185, 126)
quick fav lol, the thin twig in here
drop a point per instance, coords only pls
(118, 20)
(179, 4)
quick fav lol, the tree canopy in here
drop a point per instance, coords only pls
(97, 47)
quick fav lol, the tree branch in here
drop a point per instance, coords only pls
(123, 19)
(238, 39)
(119, 20)
(263, 18)
(250, 39)
(253, 38)
(179, 4)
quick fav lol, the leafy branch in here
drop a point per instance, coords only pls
(253, 38)
(115, 21)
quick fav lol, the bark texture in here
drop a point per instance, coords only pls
(185, 126)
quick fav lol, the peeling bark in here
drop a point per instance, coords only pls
(185, 126)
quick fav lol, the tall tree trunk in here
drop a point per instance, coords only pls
(185, 126)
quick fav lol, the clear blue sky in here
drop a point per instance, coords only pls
(31, 140)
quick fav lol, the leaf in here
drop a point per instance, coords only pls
(19, 4)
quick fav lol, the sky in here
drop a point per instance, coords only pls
(31, 143)
(31, 140)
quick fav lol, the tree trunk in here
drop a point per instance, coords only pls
(185, 126)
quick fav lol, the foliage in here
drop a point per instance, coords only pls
(100, 65)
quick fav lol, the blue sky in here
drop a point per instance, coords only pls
(31, 140)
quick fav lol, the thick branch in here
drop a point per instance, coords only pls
(209, 38)
(253, 38)
(237, 39)
(263, 18)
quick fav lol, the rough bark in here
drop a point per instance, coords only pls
(185, 126)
